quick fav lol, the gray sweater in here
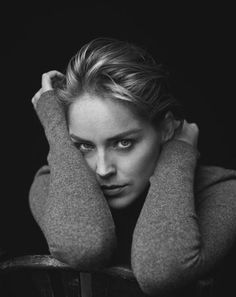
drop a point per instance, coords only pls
(176, 234)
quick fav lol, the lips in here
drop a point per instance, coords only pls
(112, 190)
(111, 186)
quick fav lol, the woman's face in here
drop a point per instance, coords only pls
(121, 149)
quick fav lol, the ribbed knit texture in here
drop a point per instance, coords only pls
(174, 235)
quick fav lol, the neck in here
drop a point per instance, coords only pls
(133, 210)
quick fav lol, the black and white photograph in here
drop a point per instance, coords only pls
(119, 149)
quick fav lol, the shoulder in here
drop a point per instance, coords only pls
(210, 176)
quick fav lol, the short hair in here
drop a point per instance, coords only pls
(120, 70)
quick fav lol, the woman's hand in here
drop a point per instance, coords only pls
(188, 132)
(47, 82)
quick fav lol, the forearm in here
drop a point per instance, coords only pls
(76, 219)
(166, 242)
(76, 210)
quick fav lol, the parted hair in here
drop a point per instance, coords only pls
(120, 70)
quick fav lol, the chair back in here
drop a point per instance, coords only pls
(44, 276)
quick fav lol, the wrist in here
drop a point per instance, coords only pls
(52, 115)
(181, 144)
(177, 158)
(178, 154)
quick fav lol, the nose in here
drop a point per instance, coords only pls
(104, 165)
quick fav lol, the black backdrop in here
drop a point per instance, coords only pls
(195, 41)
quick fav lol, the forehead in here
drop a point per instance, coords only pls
(91, 114)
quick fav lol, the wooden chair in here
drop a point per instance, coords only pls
(44, 276)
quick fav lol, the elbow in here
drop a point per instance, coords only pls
(161, 277)
(88, 260)
(84, 256)
(154, 282)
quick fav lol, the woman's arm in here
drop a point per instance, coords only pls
(68, 203)
(174, 243)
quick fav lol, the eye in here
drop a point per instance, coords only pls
(84, 147)
(125, 143)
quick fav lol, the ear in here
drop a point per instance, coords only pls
(167, 127)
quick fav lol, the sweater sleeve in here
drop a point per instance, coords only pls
(66, 200)
(175, 242)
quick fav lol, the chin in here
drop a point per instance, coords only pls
(120, 202)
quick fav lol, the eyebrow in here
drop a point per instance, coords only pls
(117, 136)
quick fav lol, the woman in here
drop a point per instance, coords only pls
(123, 184)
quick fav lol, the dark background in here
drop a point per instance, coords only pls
(196, 42)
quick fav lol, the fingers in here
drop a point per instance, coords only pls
(47, 79)
(192, 127)
(47, 84)
(53, 73)
(188, 133)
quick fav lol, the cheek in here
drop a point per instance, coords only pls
(90, 160)
(142, 163)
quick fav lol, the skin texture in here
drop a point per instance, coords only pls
(119, 161)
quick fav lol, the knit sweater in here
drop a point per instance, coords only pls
(177, 233)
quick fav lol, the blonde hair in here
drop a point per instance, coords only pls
(122, 71)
